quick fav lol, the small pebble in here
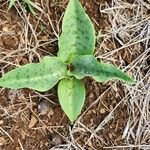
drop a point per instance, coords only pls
(1, 122)
(91, 95)
(91, 120)
(43, 107)
(102, 111)
(5, 29)
(17, 148)
(110, 127)
(33, 121)
(2, 141)
(46, 143)
(56, 140)
(50, 112)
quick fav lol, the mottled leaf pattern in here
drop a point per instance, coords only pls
(38, 76)
(87, 65)
(76, 47)
(71, 93)
(78, 35)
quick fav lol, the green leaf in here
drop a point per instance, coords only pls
(71, 93)
(31, 9)
(87, 65)
(31, 4)
(25, 3)
(40, 76)
(78, 35)
(11, 3)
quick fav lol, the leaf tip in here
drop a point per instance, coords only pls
(72, 119)
(131, 81)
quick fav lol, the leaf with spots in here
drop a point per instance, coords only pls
(78, 35)
(71, 93)
(87, 65)
(40, 76)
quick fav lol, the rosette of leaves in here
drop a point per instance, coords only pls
(74, 61)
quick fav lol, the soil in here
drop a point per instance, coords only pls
(31, 121)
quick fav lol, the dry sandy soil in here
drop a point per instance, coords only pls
(115, 115)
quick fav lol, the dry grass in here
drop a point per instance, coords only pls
(125, 41)
(130, 27)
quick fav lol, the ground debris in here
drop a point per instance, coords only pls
(112, 110)
(44, 107)
(33, 121)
